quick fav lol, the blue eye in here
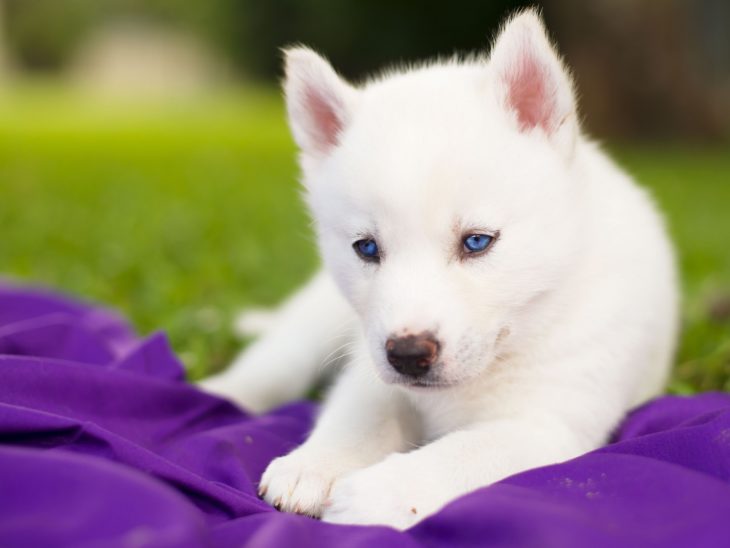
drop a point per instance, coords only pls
(367, 249)
(474, 243)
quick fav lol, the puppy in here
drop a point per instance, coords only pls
(506, 293)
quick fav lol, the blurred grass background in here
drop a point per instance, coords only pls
(145, 162)
(178, 214)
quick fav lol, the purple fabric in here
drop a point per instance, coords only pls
(102, 443)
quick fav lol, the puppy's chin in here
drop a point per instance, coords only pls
(427, 382)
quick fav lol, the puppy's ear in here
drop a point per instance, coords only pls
(532, 83)
(319, 102)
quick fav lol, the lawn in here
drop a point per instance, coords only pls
(181, 213)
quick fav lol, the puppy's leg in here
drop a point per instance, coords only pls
(288, 359)
(362, 421)
(255, 322)
(405, 487)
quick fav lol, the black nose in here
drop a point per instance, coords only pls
(412, 355)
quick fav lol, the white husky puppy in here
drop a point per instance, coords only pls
(509, 292)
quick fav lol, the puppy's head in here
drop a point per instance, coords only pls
(442, 197)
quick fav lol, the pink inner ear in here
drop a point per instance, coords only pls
(531, 92)
(326, 124)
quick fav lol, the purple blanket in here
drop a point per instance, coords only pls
(104, 444)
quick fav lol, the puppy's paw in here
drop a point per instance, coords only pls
(382, 494)
(299, 482)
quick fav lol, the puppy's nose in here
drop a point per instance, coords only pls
(412, 355)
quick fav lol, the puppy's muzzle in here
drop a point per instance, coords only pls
(412, 355)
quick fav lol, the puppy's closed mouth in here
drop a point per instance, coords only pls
(425, 385)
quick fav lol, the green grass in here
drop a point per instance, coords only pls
(176, 214)
(181, 213)
(692, 186)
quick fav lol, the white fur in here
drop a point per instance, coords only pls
(547, 340)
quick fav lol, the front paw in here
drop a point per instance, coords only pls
(382, 494)
(299, 482)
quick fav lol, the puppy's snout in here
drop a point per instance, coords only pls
(412, 355)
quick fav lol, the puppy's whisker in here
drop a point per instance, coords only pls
(337, 355)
